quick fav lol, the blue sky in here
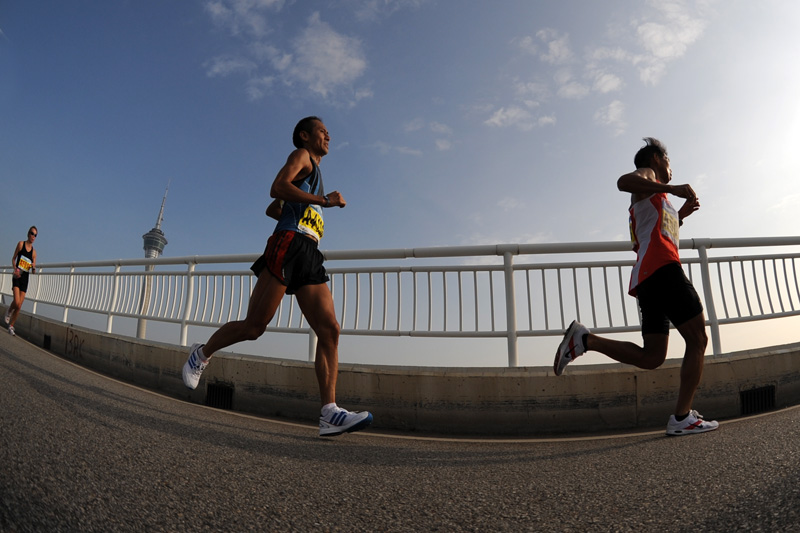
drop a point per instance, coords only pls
(452, 122)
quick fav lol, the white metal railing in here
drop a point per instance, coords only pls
(451, 292)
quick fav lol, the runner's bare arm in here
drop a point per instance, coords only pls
(297, 166)
(274, 209)
(642, 182)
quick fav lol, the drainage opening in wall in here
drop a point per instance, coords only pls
(219, 395)
(757, 400)
(46, 342)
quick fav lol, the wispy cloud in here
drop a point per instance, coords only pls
(385, 148)
(325, 59)
(442, 132)
(557, 49)
(373, 10)
(243, 17)
(511, 116)
(222, 66)
(663, 31)
(319, 59)
(613, 116)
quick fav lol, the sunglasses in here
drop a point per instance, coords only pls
(32, 233)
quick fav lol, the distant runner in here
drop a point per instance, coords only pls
(24, 263)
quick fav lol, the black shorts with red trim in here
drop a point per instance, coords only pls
(294, 259)
(667, 296)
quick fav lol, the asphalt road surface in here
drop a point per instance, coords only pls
(82, 452)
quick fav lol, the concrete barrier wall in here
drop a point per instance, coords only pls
(465, 401)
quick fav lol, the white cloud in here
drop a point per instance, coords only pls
(531, 93)
(547, 121)
(222, 66)
(363, 94)
(441, 129)
(443, 144)
(257, 87)
(662, 32)
(678, 28)
(511, 116)
(678, 25)
(558, 50)
(527, 45)
(612, 115)
(324, 59)
(373, 10)
(515, 116)
(605, 82)
(415, 124)
(242, 16)
(573, 90)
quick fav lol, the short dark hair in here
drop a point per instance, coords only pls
(644, 156)
(306, 125)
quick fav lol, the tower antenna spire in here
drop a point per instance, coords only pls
(161, 212)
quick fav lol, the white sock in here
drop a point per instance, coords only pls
(203, 358)
(327, 408)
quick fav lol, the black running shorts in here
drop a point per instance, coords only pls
(294, 259)
(667, 296)
(21, 282)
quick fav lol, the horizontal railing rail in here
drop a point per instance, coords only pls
(442, 292)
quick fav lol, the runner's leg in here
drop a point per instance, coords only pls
(264, 301)
(316, 303)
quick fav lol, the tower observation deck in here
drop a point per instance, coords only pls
(154, 243)
(154, 240)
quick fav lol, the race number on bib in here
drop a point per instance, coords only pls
(24, 264)
(670, 225)
(312, 222)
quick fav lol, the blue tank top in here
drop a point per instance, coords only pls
(305, 218)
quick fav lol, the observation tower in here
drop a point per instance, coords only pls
(154, 243)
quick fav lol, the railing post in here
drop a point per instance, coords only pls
(511, 309)
(113, 303)
(68, 300)
(38, 289)
(188, 298)
(710, 309)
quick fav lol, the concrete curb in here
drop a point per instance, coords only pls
(525, 401)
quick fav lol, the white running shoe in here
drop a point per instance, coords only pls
(8, 315)
(693, 423)
(11, 330)
(571, 347)
(340, 421)
(193, 368)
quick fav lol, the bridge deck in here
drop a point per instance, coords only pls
(79, 451)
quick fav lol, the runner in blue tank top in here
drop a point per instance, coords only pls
(292, 264)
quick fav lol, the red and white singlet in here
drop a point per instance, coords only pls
(655, 234)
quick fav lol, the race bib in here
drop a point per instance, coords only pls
(669, 222)
(312, 222)
(24, 264)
